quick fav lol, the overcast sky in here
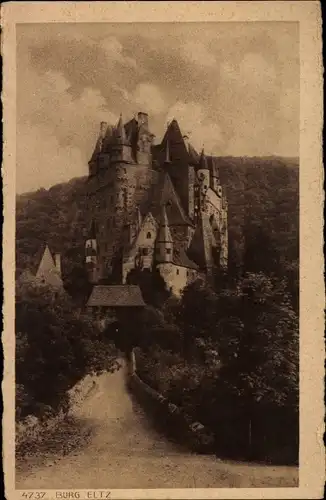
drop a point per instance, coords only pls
(233, 87)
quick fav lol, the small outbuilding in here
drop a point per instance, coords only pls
(110, 298)
(115, 308)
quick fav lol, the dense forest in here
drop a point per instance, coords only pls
(263, 196)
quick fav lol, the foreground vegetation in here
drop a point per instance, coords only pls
(231, 361)
(55, 348)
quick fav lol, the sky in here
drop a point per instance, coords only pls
(233, 88)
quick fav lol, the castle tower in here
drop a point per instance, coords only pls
(121, 150)
(91, 255)
(124, 177)
(164, 242)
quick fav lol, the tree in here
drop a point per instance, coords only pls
(55, 347)
(197, 313)
(152, 285)
(259, 348)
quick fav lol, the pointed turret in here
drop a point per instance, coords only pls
(215, 178)
(164, 242)
(120, 133)
(92, 231)
(203, 173)
(48, 272)
(121, 150)
(203, 161)
(107, 139)
(164, 234)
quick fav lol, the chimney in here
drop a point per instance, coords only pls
(103, 128)
(143, 120)
(57, 259)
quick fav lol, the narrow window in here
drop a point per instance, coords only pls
(168, 250)
(148, 235)
(177, 271)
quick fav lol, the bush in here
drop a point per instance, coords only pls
(240, 373)
(55, 348)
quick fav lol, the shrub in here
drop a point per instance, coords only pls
(54, 349)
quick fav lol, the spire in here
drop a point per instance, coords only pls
(92, 231)
(47, 270)
(107, 139)
(203, 161)
(215, 170)
(120, 133)
(164, 235)
(167, 152)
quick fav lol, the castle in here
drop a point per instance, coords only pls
(153, 207)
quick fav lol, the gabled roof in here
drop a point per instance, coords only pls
(179, 150)
(164, 193)
(97, 150)
(47, 271)
(180, 258)
(200, 248)
(141, 223)
(116, 296)
(193, 155)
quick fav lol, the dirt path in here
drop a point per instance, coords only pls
(125, 452)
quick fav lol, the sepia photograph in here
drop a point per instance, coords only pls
(157, 255)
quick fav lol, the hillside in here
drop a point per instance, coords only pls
(263, 196)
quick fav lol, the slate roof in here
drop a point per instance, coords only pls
(180, 258)
(164, 234)
(164, 193)
(47, 270)
(200, 248)
(116, 296)
(173, 142)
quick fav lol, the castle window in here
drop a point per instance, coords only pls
(177, 271)
(145, 251)
(168, 250)
(148, 236)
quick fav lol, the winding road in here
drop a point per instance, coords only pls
(124, 451)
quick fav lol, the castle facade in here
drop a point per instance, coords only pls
(153, 207)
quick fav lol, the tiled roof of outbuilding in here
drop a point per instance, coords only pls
(116, 296)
